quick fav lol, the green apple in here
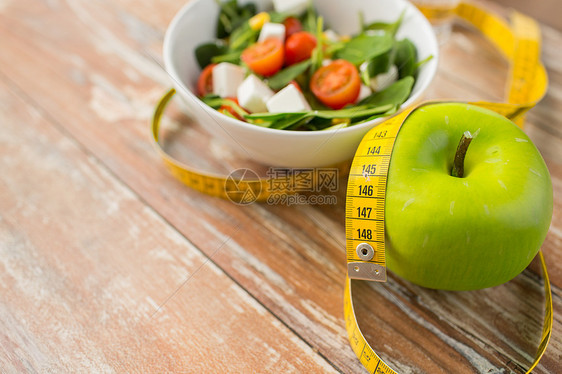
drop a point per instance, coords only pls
(469, 232)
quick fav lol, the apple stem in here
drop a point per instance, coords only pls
(458, 164)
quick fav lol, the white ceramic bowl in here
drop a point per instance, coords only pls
(195, 24)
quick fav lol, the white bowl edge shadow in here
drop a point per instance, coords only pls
(189, 28)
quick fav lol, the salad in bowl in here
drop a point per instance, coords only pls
(297, 83)
(285, 69)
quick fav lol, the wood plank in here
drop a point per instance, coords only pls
(290, 258)
(86, 270)
(547, 11)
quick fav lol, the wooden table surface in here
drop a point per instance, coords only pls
(108, 264)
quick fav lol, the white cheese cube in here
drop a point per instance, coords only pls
(381, 81)
(272, 30)
(364, 92)
(331, 36)
(289, 99)
(253, 93)
(363, 67)
(226, 79)
(293, 7)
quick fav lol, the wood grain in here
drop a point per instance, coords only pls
(88, 271)
(547, 11)
(272, 294)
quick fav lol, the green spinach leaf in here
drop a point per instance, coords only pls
(242, 37)
(364, 48)
(390, 28)
(320, 117)
(212, 100)
(405, 58)
(232, 57)
(354, 112)
(395, 94)
(285, 76)
(270, 117)
(387, 113)
(308, 20)
(232, 16)
(318, 52)
(290, 121)
(205, 53)
(378, 65)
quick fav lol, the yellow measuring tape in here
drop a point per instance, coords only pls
(519, 41)
(365, 233)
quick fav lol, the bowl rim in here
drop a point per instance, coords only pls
(179, 84)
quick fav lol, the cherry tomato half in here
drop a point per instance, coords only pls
(336, 84)
(292, 26)
(299, 47)
(264, 58)
(205, 82)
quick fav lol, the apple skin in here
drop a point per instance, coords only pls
(466, 233)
